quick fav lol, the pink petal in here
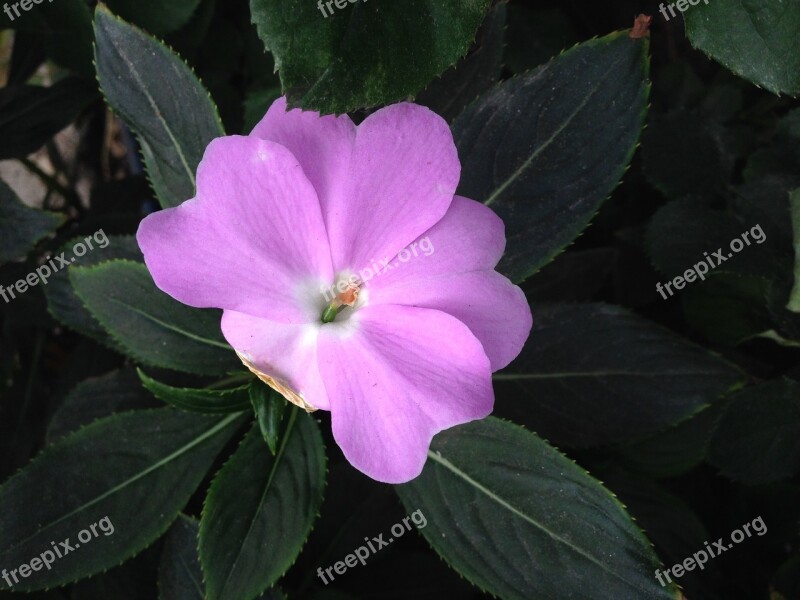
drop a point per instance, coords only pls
(404, 173)
(253, 239)
(395, 377)
(322, 145)
(381, 184)
(470, 237)
(455, 276)
(287, 352)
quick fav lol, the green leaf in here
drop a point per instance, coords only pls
(536, 33)
(520, 520)
(199, 401)
(682, 154)
(794, 298)
(365, 54)
(155, 16)
(256, 105)
(728, 308)
(756, 438)
(756, 39)
(596, 374)
(137, 469)
(260, 510)
(673, 527)
(62, 301)
(150, 326)
(269, 407)
(160, 99)
(684, 232)
(66, 26)
(179, 574)
(30, 115)
(674, 451)
(21, 227)
(27, 55)
(96, 398)
(546, 148)
(477, 73)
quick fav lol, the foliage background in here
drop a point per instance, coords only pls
(686, 409)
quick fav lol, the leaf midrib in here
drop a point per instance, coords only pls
(164, 461)
(278, 458)
(156, 112)
(171, 327)
(524, 167)
(492, 496)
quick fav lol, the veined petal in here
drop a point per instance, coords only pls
(285, 352)
(495, 310)
(395, 377)
(380, 184)
(252, 240)
(323, 145)
(403, 176)
(449, 268)
(470, 237)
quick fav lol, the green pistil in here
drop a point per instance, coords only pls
(330, 312)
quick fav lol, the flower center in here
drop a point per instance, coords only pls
(346, 298)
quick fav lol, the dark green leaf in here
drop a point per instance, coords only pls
(30, 115)
(135, 579)
(64, 304)
(574, 276)
(159, 97)
(596, 374)
(200, 401)
(756, 439)
(27, 56)
(180, 577)
(546, 148)
(728, 308)
(475, 74)
(149, 325)
(794, 298)
(66, 26)
(269, 407)
(137, 469)
(521, 521)
(682, 154)
(365, 54)
(756, 39)
(685, 232)
(673, 527)
(260, 510)
(256, 105)
(155, 16)
(536, 33)
(673, 451)
(21, 227)
(96, 398)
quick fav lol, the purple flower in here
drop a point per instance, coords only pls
(352, 277)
